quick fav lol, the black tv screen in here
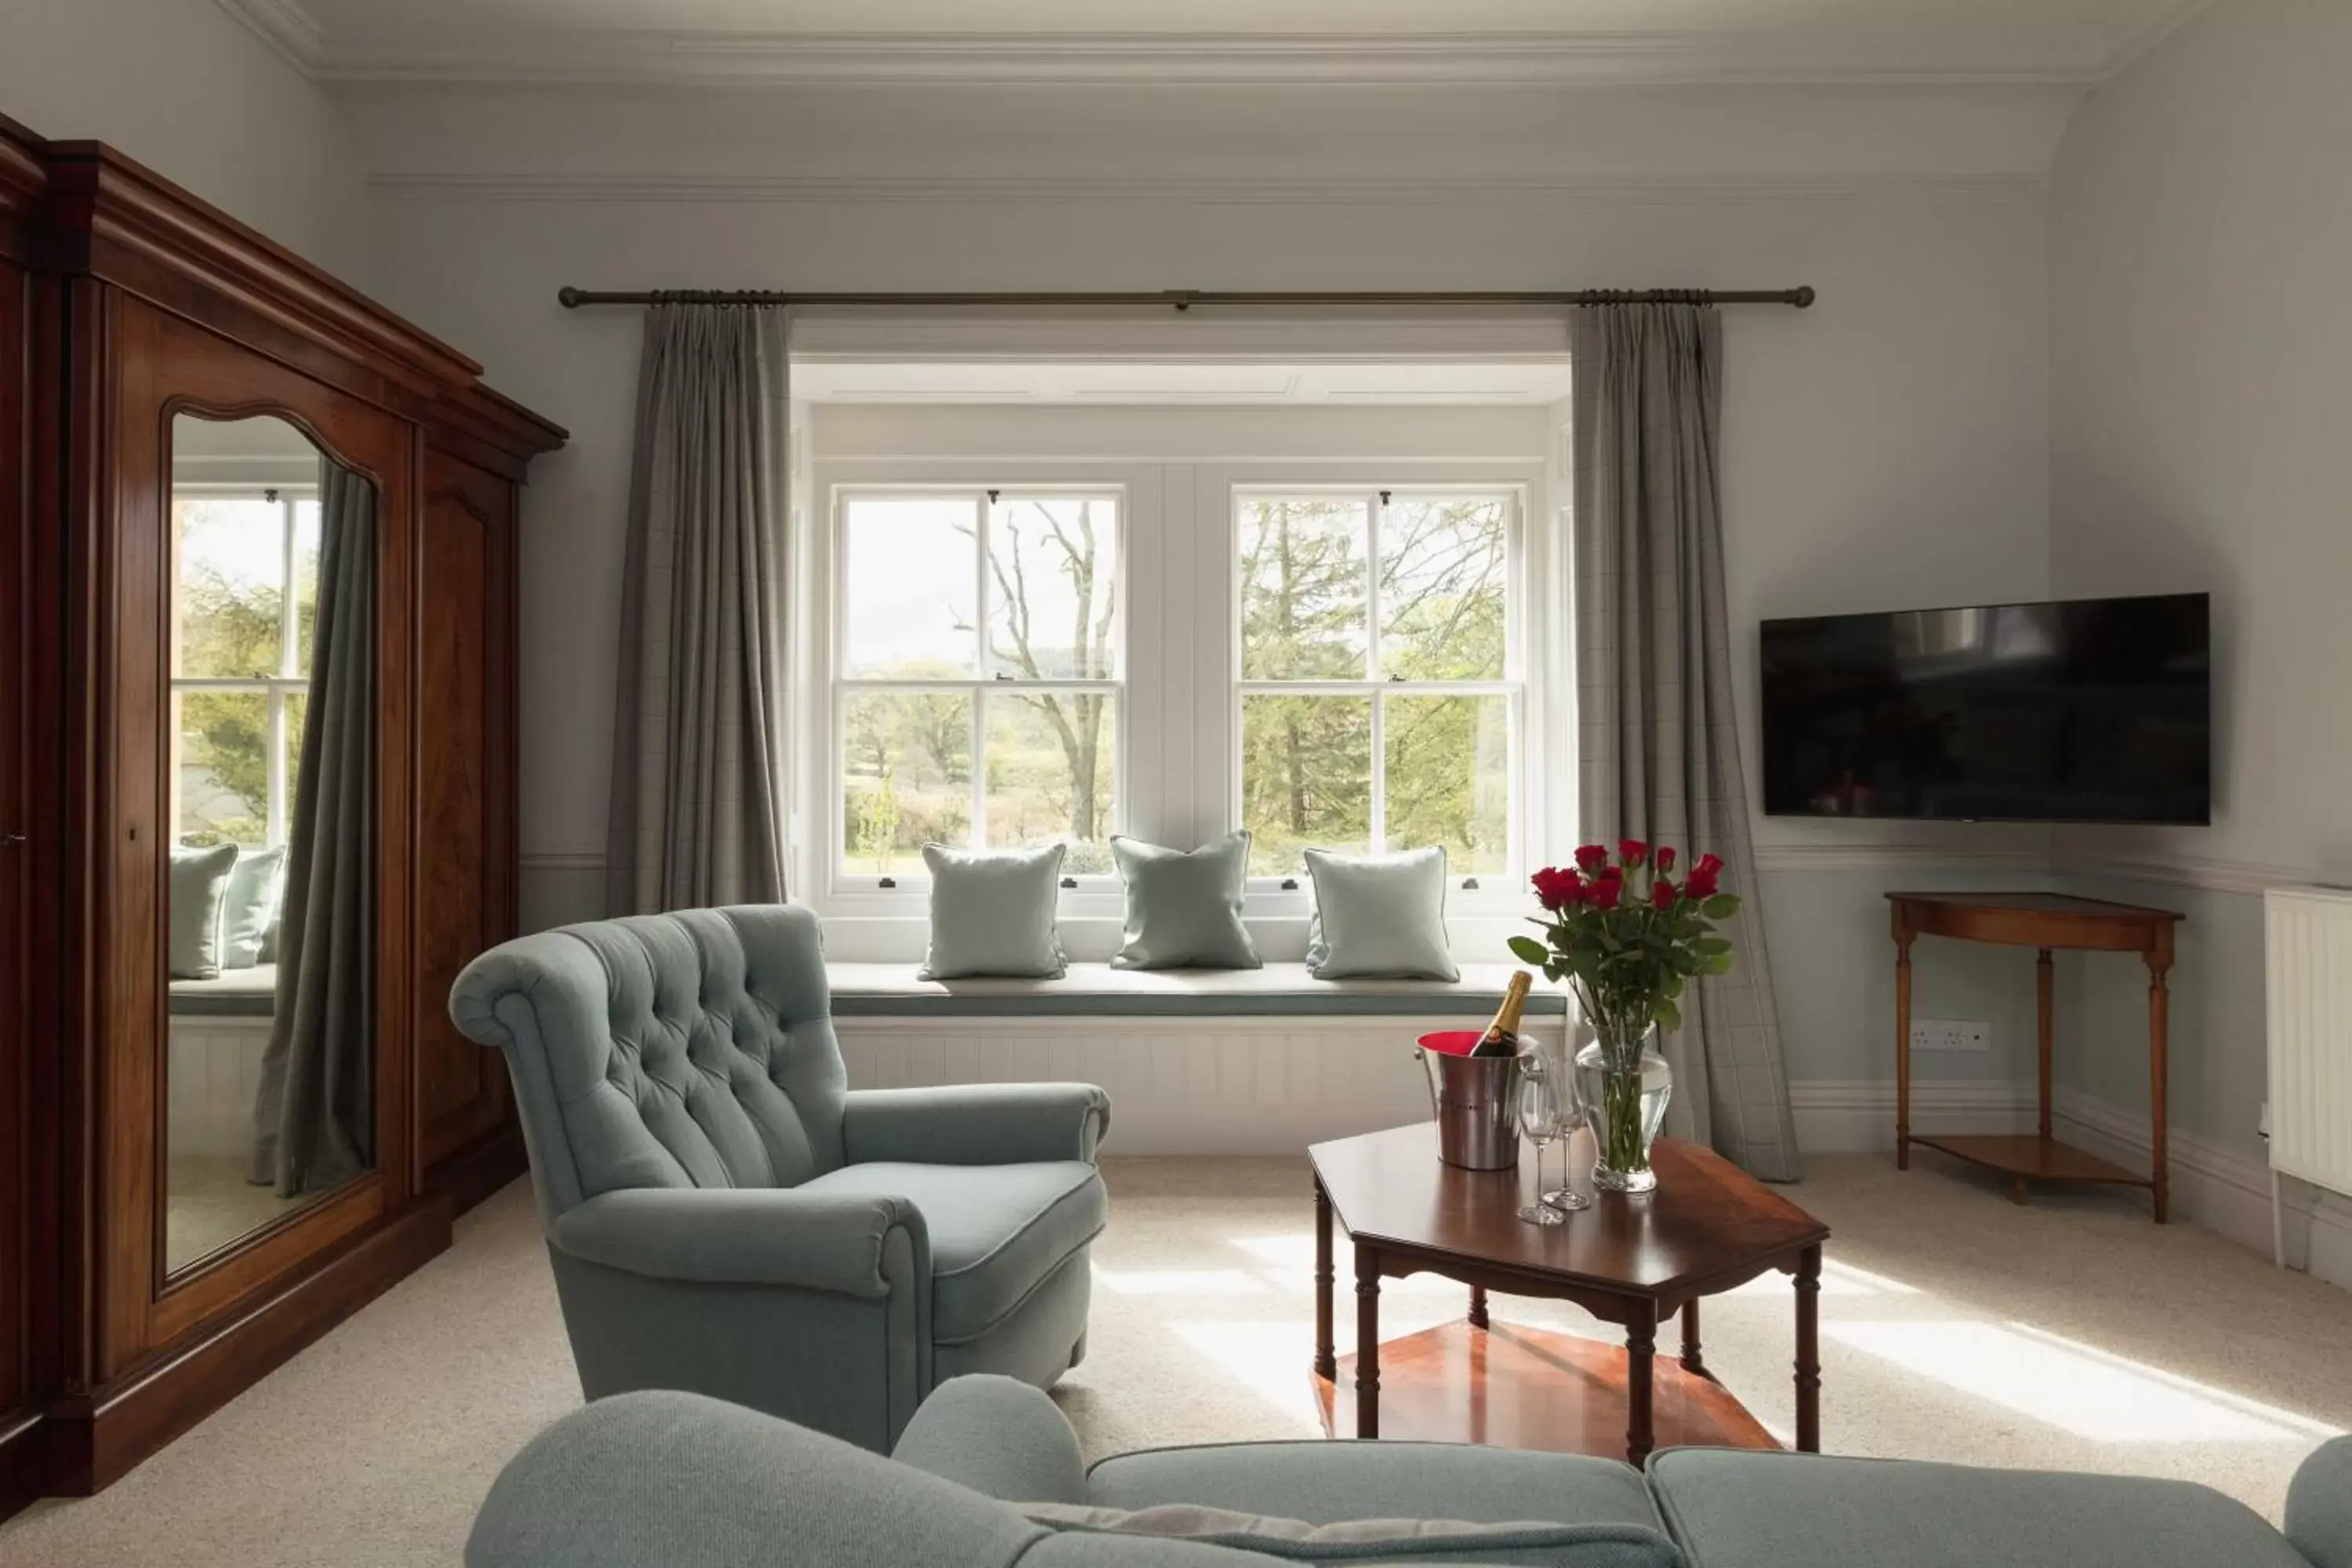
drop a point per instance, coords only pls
(2083, 710)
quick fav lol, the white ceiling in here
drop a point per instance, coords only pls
(1418, 384)
(1194, 40)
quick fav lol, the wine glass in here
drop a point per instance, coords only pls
(1543, 1117)
(1565, 1197)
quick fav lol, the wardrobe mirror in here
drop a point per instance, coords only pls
(271, 773)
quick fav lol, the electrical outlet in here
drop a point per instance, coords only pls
(1950, 1035)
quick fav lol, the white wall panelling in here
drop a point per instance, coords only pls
(1177, 1085)
(213, 1077)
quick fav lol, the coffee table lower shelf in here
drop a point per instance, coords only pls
(1514, 1387)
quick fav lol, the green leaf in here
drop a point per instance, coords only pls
(1719, 963)
(1530, 951)
(1552, 972)
(1712, 944)
(1721, 907)
(1669, 1016)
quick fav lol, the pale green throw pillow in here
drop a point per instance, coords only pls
(992, 913)
(1379, 916)
(1184, 910)
(199, 879)
(249, 906)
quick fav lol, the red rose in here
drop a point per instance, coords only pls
(1591, 858)
(1662, 894)
(1556, 888)
(1633, 851)
(1703, 875)
(1664, 859)
(1607, 890)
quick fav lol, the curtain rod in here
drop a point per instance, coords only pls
(1185, 299)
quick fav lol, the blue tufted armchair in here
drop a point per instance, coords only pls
(727, 1217)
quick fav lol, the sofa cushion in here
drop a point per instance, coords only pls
(1327, 1482)
(1372, 1541)
(997, 1231)
(1730, 1509)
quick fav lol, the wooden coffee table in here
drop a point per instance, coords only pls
(1634, 1261)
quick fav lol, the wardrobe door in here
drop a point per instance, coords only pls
(18, 1482)
(465, 822)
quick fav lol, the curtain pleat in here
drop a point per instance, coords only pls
(696, 817)
(1659, 741)
(314, 1112)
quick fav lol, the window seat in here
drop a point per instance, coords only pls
(238, 993)
(1099, 990)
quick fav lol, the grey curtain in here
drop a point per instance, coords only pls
(698, 745)
(1659, 748)
(314, 1116)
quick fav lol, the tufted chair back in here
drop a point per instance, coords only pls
(691, 1049)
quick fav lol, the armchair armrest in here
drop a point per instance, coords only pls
(999, 1436)
(2319, 1505)
(975, 1124)
(810, 1241)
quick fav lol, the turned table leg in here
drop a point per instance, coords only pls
(1808, 1351)
(1692, 1361)
(1902, 1050)
(1478, 1307)
(1640, 1346)
(2159, 1013)
(1326, 1363)
(1367, 1341)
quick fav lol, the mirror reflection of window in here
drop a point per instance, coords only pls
(245, 539)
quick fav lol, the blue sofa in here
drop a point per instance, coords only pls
(660, 1479)
(725, 1215)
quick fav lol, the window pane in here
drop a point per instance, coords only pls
(1051, 761)
(1054, 565)
(1307, 777)
(909, 587)
(1449, 778)
(231, 563)
(298, 710)
(1303, 588)
(1443, 565)
(224, 783)
(906, 762)
(306, 584)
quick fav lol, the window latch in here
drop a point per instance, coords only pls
(889, 881)
(1069, 881)
(1290, 884)
(1469, 884)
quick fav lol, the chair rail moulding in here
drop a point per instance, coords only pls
(157, 325)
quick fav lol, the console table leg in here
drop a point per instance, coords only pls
(1326, 1363)
(1641, 1345)
(1808, 1351)
(1478, 1307)
(2045, 991)
(1902, 1049)
(1692, 1361)
(1367, 1341)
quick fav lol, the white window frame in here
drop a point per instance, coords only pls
(1513, 686)
(848, 889)
(290, 681)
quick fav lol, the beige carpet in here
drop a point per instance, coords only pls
(2072, 1334)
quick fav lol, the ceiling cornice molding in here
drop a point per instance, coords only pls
(2129, 45)
(287, 27)
(1641, 190)
(2050, 56)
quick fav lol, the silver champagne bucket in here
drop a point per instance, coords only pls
(1477, 1102)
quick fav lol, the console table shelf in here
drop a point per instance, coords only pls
(2045, 921)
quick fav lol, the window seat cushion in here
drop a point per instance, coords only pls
(1097, 990)
(249, 993)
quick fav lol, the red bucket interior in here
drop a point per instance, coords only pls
(1453, 1042)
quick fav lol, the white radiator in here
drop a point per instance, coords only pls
(2307, 943)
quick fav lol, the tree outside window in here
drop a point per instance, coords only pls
(1377, 705)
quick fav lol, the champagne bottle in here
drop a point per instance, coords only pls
(1502, 1036)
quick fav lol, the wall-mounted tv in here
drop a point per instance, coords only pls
(2081, 710)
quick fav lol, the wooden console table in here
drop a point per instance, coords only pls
(2047, 921)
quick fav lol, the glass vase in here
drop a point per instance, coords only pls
(1626, 1085)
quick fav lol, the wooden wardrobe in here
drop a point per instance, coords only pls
(257, 629)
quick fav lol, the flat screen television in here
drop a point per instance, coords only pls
(2081, 710)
